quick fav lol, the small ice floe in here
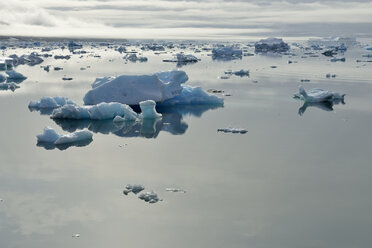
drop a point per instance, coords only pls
(240, 73)
(368, 48)
(150, 197)
(318, 95)
(76, 235)
(2, 78)
(273, 66)
(51, 136)
(224, 77)
(275, 45)
(9, 86)
(305, 80)
(56, 68)
(329, 53)
(31, 59)
(215, 91)
(148, 110)
(134, 188)
(367, 55)
(1, 200)
(341, 59)
(67, 57)
(48, 102)
(175, 190)
(13, 75)
(67, 78)
(329, 75)
(232, 130)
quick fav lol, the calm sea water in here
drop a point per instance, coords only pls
(291, 181)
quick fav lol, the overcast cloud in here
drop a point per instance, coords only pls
(185, 19)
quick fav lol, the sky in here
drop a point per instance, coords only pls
(185, 19)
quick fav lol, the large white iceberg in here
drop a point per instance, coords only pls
(51, 136)
(50, 102)
(102, 111)
(193, 96)
(133, 89)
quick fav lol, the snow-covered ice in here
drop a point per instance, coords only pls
(50, 102)
(134, 89)
(148, 109)
(318, 95)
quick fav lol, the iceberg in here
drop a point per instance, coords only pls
(31, 59)
(48, 102)
(227, 52)
(240, 73)
(368, 48)
(148, 110)
(102, 111)
(318, 95)
(51, 136)
(193, 96)
(275, 45)
(133, 89)
(182, 58)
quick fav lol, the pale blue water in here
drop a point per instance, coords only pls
(291, 181)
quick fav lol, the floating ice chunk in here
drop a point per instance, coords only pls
(240, 73)
(74, 137)
(193, 96)
(271, 45)
(102, 111)
(150, 197)
(232, 130)
(133, 58)
(175, 190)
(182, 58)
(49, 136)
(50, 102)
(148, 110)
(134, 188)
(228, 52)
(9, 86)
(134, 89)
(15, 75)
(318, 95)
(368, 48)
(342, 59)
(76, 235)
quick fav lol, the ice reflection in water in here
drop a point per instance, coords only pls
(171, 122)
(326, 106)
